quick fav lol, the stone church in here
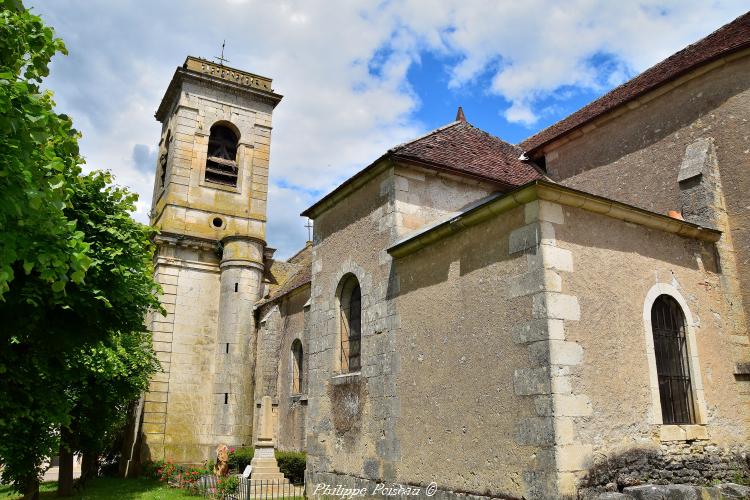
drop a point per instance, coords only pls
(514, 321)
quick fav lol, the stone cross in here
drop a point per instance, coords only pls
(221, 57)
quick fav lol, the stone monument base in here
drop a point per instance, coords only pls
(265, 467)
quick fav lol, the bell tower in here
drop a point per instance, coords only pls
(209, 204)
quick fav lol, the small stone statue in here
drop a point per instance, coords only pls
(221, 468)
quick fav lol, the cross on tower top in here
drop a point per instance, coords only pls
(221, 57)
(309, 228)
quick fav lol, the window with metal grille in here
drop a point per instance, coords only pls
(670, 347)
(350, 315)
(297, 387)
(221, 163)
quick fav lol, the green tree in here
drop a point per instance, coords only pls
(75, 269)
(50, 376)
(38, 154)
(117, 293)
(113, 373)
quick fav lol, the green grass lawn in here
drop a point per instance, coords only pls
(110, 487)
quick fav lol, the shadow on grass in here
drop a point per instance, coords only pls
(110, 488)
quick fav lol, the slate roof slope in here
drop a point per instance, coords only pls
(729, 38)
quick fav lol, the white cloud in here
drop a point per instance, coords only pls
(338, 113)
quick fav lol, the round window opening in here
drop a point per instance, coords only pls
(217, 222)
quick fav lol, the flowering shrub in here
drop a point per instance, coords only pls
(226, 486)
(180, 476)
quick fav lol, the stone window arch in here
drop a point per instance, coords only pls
(350, 324)
(677, 396)
(221, 159)
(297, 360)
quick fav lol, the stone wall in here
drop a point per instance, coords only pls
(176, 424)
(351, 419)
(284, 321)
(673, 462)
(466, 419)
(617, 270)
(422, 196)
(636, 157)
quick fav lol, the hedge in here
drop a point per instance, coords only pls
(239, 458)
(291, 463)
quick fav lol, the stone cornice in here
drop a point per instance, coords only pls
(181, 240)
(191, 70)
(543, 190)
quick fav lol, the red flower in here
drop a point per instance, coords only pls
(231, 450)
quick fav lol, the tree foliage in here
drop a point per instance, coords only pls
(112, 373)
(38, 153)
(76, 275)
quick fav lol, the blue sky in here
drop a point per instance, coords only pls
(358, 77)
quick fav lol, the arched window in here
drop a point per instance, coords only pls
(673, 371)
(297, 387)
(164, 158)
(350, 319)
(221, 162)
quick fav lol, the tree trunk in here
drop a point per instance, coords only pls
(65, 474)
(32, 490)
(89, 466)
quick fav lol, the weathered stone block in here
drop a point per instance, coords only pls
(524, 238)
(696, 432)
(551, 257)
(543, 210)
(556, 306)
(538, 329)
(664, 492)
(672, 433)
(536, 431)
(568, 405)
(531, 381)
(564, 353)
(574, 457)
(538, 280)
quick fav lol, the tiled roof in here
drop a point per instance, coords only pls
(466, 150)
(457, 148)
(296, 272)
(727, 39)
(301, 277)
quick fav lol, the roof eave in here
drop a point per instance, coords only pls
(544, 190)
(348, 186)
(536, 150)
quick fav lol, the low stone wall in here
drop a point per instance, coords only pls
(678, 491)
(695, 463)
